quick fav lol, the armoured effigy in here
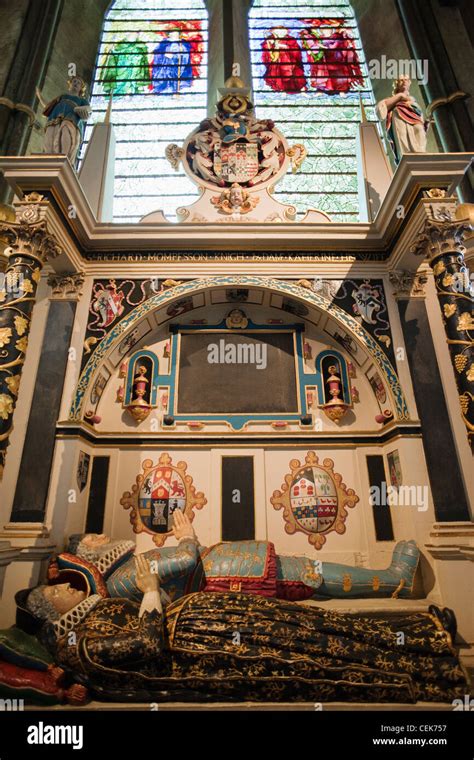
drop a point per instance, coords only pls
(247, 566)
(234, 646)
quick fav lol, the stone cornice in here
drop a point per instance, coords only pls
(55, 178)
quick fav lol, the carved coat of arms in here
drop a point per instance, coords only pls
(157, 493)
(314, 499)
(232, 149)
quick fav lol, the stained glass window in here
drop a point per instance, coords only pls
(152, 60)
(309, 73)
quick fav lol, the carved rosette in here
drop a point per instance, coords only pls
(29, 247)
(314, 499)
(157, 493)
(442, 240)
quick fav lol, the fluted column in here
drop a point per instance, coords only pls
(29, 247)
(441, 241)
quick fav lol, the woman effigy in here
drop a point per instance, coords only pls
(239, 647)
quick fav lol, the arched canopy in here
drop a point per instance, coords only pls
(307, 297)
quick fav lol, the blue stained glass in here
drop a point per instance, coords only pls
(309, 74)
(152, 61)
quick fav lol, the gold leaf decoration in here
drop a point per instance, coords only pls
(3, 295)
(13, 383)
(449, 309)
(460, 362)
(5, 335)
(36, 276)
(448, 280)
(465, 322)
(21, 325)
(26, 286)
(470, 373)
(439, 268)
(6, 406)
(22, 344)
(464, 401)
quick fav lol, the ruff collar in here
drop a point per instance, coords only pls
(107, 558)
(74, 617)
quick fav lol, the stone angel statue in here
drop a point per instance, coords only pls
(67, 115)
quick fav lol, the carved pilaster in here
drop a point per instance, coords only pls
(29, 246)
(441, 240)
(66, 286)
(408, 284)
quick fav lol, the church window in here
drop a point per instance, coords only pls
(309, 73)
(152, 61)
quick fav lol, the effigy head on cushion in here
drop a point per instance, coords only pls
(27, 668)
(45, 604)
(94, 557)
(101, 550)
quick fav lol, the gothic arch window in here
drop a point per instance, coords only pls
(309, 73)
(152, 59)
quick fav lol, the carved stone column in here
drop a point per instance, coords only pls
(441, 241)
(29, 247)
(449, 497)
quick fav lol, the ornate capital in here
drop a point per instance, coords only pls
(441, 234)
(28, 234)
(66, 286)
(408, 284)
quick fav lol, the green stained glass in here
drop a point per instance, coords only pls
(309, 75)
(152, 61)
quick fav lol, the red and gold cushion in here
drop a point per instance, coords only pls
(38, 687)
(246, 566)
(80, 573)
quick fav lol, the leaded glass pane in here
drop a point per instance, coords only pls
(153, 62)
(309, 74)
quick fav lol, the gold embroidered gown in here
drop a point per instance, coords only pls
(240, 647)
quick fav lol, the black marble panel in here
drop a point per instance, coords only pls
(31, 493)
(381, 512)
(97, 495)
(238, 499)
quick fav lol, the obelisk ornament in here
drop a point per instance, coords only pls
(29, 246)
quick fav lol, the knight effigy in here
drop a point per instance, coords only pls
(234, 297)
(201, 624)
(236, 646)
(251, 566)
